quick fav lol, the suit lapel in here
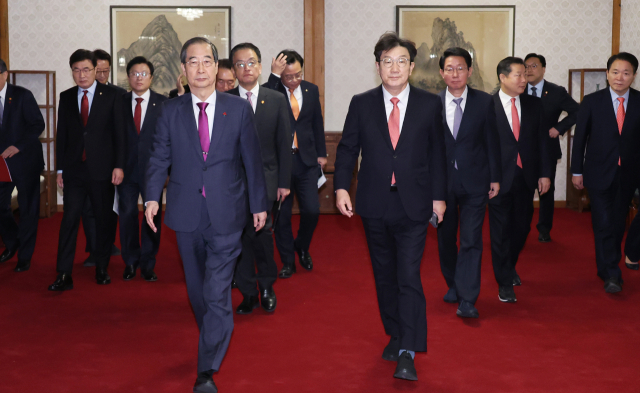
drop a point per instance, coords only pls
(219, 120)
(306, 98)
(96, 105)
(127, 110)
(8, 100)
(151, 111)
(633, 107)
(261, 102)
(468, 112)
(188, 119)
(501, 117)
(381, 116)
(524, 118)
(607, 102)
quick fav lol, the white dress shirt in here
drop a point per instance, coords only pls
(538, 88)
(506, 103)
(254, 95)
(403, 98)
(210, 111)
(3, 95)
(451, 106)
(143, 105)
(90, 93)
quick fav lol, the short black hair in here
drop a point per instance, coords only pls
(504, 67)
(102, 55)
(246, 45)
(456, 52)
(390, 40)
(543, 61)
(197, 40)
(626, 57)
(292, 57)
(81, 55)
(139, 60)
(225, 63)
(3, 66)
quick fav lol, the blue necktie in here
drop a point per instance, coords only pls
(534, 91)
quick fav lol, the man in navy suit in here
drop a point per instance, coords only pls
(308, 150)
(21, 124)
(209, 139)
(402, 182)
(606, 160)
(141, 109)
(555, 100)
(474, 175)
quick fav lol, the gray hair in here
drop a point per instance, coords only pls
(197, 40)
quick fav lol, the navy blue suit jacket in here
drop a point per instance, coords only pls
(234, 148)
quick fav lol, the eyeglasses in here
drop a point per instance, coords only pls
(249, 64)
(451, 70)
(83, 71)
(401, 61)
(291, 78)
(531, 66)
(143, 74)
(102, 71)
(195, 63)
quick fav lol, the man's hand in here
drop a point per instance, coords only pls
(439, 207)
(117, 176)
(278, 64)
(149, 212)
(322, 161)
(59, 181)
(10, 152)
(544, 183)
(494, 189)
(553, 133)
(577, 182)
(282, 193)
(343, 202)
(179, 85)
(259, 220)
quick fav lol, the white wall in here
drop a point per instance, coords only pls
(630, 30)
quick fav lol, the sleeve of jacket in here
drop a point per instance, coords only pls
(119, 133)
(543, 145)
(492, 141)
(318, 126)
(273, 83)
(32, 119)
(252, 160)
(283, 142)
(348, 149)
(159, 158)
(569, 105)
(437, 155)
(61, 135)
(580, 137)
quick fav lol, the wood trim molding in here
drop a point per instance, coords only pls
(314, 45)
(615, 27)
(4, 31)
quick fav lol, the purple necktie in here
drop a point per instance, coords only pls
(203, 132)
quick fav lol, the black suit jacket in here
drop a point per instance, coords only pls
(103, 138)
(174, 93)
(274, 133)
(532, 143)
(22, 124)
(556, 100)
(122, 90)
(418, 161)
(309, 126)
(477, 146)
(139, 146)
(597, 144)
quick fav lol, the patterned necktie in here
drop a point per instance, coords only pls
(394, 128)
(84, 114)
(534, 91)
(516, 125)
(137, 114)
(249, 94)
(295, 108)
(203, 132)
(620, 119)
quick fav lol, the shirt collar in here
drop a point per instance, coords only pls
(450, 97)
(403, 96)
(614, 95)
(505, 98)
(254, 91)
(91, 90)
(538, 87)
(211, 100)
(145, 96)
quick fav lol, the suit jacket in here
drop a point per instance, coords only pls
(532, 143)
(234, 148)
(22, 124)
(274, 133)
(309, 126)
(174, 93)
(121, 90)
(103, 138)
(477, 146)
(597, 143)
(139, 146)
(556, 100)
(418, 161)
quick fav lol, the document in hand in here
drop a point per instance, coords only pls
(5, 175)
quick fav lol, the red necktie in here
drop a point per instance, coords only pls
(620, 118)
(84, 113)
(137, 114)
(516, 125)
(394, 128)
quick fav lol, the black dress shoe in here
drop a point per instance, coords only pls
(467, 310)
(129, 272)
(149, 276)
(450, 297)
(249, 303)
(204, 383)
(390, 352)
(612, 285)
(89, 262)
(23, 265)
(115, 251)
(305, 259)
(405, 368)
(63, 283)
(287, 271)
(631, 265)
(544, 237)
(102, 278)
(268, 300)
(8, 253)
(507, 294)
(516, 280)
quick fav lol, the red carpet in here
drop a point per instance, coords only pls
(563, 335)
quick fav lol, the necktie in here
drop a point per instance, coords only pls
(620, 118)
(1, 111)
(84, 113)
(457, 117)
(137, 114)
(249, 94)
(295, 108)
(394, 128)
(534, 91)
(516, 125)
(203, 132)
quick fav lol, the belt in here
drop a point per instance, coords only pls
(394, 188)
(294, 150)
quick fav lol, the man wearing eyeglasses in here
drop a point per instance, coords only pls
(274, 132)
(555, 100)
(90, 153)
(402, 184)
(474, 175)
(103, 69)
(309, 151)
(141, 108)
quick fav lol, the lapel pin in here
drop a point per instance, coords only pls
(100, 93)
(154, 104)
(262, 102)
(224, 113)
(306, 89)
(9, 99)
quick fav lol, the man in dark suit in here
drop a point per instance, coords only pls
(141, 109)
(525, 167)
(606, 160)
(209, 139)
(309, 151)
(555, 100)
(402, 182)
(474, 174)
(103, 69)
(274, 133)
(90, 153)
(21, 124)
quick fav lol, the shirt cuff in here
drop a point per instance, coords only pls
(276, 75)
(60, 171)
(576, 174)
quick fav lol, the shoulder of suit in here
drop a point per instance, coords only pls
(308, 85)
(423, 94)
(159, 97)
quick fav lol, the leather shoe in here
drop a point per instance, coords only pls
(149, 276)
(450, 297)
(102, 278)
(516, 280)
(305, 259)
(507, 294)
(8, 253)
(204, 383)
(287, 271)
(247, 305)
(612, 285)
(631, 265)
(467, 310)
(89, 262)
(63, 283)
(390, 352)
(544, 237)
(129, 272)
(405, 368)
(23, 265)
(268, 300)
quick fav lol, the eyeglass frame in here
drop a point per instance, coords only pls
(83, 71)
(293, 77)
(195, 63)
(459, 69)
(242, 64)
(142, 74)
(396, 61)
(532, 66)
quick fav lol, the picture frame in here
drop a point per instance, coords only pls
(158, 33)
(487, 32)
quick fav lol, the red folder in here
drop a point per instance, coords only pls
(5, 175)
